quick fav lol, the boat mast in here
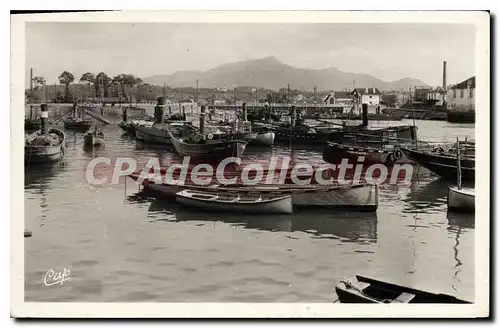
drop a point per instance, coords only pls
(413, 117)
(459, 167)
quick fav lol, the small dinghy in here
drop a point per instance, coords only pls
(93, 137)
(263, 204)
(367, 290)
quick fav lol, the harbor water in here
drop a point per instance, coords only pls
(122, 245)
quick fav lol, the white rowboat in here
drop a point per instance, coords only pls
(461, 199)
(242, 204)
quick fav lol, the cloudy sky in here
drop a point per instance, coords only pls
(386, 51)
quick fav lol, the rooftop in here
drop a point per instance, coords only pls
(463, 85)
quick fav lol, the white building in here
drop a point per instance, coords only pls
(370, 96)
(461, 97)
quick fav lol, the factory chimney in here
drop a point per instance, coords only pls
(444, 75)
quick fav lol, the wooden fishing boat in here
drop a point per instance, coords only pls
(158, 132)
(93, 137)
(360, 289)
(443, 163)
(262, 204)
(335, 152)
(44, 148)
(152, 133)
(357, 197)
(380, 137)
(77, 124)
(196, 146)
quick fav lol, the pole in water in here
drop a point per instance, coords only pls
(44, 117)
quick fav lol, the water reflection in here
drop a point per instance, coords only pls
(460, 220)
(39, 176)
(426, 197)
(344, 226)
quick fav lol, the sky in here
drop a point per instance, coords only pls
(386, 51)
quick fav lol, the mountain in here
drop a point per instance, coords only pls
(270, 73)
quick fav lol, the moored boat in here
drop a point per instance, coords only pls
(461, 199)
(93, 137)
(45, 145)
(443, 163)
(261, 204)
(77, 124)
(360, 289)
(356, 197)
(335, 152)
(152, 133)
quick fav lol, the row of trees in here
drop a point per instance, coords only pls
(101, 84)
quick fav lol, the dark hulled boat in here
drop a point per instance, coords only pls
(360, 289)
(443, 163)
(93, 137)
(77, 124)
(197, 146)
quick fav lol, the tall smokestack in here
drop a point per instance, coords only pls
(444, 75)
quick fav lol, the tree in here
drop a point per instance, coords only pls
(67, 78)
(32, 95)
(88, 78)
(124, 82)
(102, 83)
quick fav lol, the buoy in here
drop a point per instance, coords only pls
(210, 136)
(27, 233)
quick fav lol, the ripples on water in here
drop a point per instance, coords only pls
(124, 245)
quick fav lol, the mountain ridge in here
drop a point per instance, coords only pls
(270, 73)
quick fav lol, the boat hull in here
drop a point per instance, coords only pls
(364, 197)
(34, 154)
(461, 116)
(334, 153)
(152, 134)
(461, 200)
(282, 205)
(361, 289)
(92, 140)
(216, 150)
(77, 125)
(263, 139)
(355, 198)
(444, 166)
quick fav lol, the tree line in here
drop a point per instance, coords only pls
(99, 85)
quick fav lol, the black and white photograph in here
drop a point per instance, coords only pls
(306, 164)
